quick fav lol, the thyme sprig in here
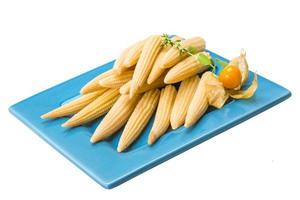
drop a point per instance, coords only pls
(202, 57)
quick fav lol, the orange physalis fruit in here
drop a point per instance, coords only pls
(231, 77)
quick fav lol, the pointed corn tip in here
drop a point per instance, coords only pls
(44, 116)
(65, 125)
(164, 65)
(128, 65)
(151, 139)
(119, 149)
(167, 80)
(96, 137)
(47, 115)
(118, 71)
(84, 90)
(100, 82)
(175, 125)
(92, 140)
(188, 124)
(124, 63)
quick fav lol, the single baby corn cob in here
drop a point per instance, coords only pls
(143, 67)
(95, 109)
(156, 84)
(117, 116)
(93, 85)
(184, 96)
(163, 113)
(116, 80)
(188, 67)
(173, 56)
(157, 69)
(139, 119)
(198, 105)
(73, 106)
(134, 54)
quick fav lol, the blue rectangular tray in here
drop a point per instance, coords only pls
(101, 161)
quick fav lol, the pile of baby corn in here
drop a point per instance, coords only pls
(141, 83)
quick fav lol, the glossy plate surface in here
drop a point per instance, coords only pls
(101, 161)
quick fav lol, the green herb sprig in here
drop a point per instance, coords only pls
(202, 57)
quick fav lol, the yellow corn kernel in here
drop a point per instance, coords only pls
(184, 96)
(198, 105)
(117, 116)
(116, 80)
(134, 54)
(72, 107)
(173, 56)
(95, 109)
(188, 67)
(156, 84)
(93, 85)
(143, 67)
(157, 69)
(163, 113)
(139, 119)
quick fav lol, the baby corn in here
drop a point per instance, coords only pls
(133, 54)
(143, 67)
(184, 69)
(163, 113)
(117, 116)
(116, 80)
(73, 106)
(173, 56)
(184, 96)
(157, 69)
(156, 84)
(198, 105)
(95, 109)
(93, 85)
(139, 119)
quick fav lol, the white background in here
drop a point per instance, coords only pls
(45, 43)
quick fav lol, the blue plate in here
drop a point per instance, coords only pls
(101, 161)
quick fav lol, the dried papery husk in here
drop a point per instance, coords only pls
(242, 64)
(215, 92)
(245, 94)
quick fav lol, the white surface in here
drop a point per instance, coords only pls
(43, 44)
